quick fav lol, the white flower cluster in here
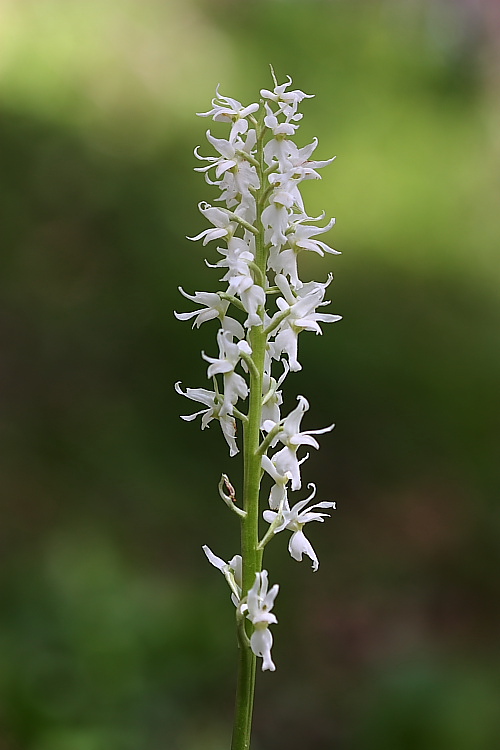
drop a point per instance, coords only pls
(258, 170)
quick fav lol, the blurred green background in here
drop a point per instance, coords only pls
(115, 632)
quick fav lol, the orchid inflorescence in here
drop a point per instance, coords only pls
(263, 225)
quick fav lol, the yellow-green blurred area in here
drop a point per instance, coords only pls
(115, 632)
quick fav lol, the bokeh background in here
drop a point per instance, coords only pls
(115, 632)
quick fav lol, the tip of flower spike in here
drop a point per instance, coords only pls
(273, 74)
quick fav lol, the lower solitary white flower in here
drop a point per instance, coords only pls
(258, 607)
(294, 520)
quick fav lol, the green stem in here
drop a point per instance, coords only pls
(269, 438)
(276, 321)
(252, 473)
(242, 222)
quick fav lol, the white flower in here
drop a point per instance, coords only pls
(213, 401)
(279, 147)
(279, 129)
(301, 306)
(252, 297)
(300, 164)
(237, 255)
(298, 238)
(241, 282)
(236, 194)
(232, 572)
(286, 189)
(235, 386)
(225, 109)
(223, 226)
(287, 101)
(259, 603)
(285, 196)
(292, 437)
(233, 166)
(278, 497)
(275, 220)
(215, 307)
(228, 156)
(294, 520)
